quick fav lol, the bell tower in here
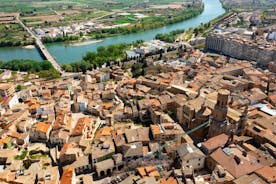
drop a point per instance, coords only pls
(218, 123)
(243, 121)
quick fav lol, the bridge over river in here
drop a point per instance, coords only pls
(65, 53)
(43, 50)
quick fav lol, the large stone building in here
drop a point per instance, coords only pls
(189, 156)
(241, 47)
(219, 123)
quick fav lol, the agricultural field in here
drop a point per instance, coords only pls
(54, 13)
(40, 19)
(27, 6)
(85, 15)
(93, 18)
(14, 35)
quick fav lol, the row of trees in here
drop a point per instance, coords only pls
(10, 43)
(103, 55)
(59, 39)
(42, 68)
(149, 23)
(169, 37)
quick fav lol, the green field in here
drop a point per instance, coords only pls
(13, 35)
(55, 13)
(126, 19)
(48, 5)
(87, 15)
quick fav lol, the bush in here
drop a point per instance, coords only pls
(169, 37)
(93, 59)
(19, 87)
(22, 155)
(42, 68)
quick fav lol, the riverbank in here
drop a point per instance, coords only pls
(202, 29)
(148, 23)
(43, 69)
(112, 53)
(29, 47)
(77, 44)
(67, 54)
(116, 30)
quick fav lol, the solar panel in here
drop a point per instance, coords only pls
(227, 151)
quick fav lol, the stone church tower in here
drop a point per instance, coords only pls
(243, 121)
(218, 122)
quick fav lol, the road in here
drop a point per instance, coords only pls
(41, 47)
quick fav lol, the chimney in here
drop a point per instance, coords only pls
(237, 159)
(244, 153)
(221, 171)
(230, 139)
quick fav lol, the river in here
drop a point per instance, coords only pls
(66, 53)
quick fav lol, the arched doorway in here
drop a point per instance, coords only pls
(102, 174)
(108, 172)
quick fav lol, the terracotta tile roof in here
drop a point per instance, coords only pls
(105, 131)
(5, 140)
(7, 176)
(215, 142)
(32, 101)
(108, 105)
(138, 134)
(267, 173)
(142, 172)
(67, 176)
(155, 129)
(272, 97)
(119, 132)
(154, 173)
(15, 134)
(82, 122)
(133, 149)
(65, 147)
(234, 162)
(148, 171)
(130, 81)
(43, 127)
(252, 179)
(34, 106)
(164, 81)
(59, 121)
(154, 102)
(169, 180)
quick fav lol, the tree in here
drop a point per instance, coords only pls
(137, 69)
(19, 87)
(67, 68)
